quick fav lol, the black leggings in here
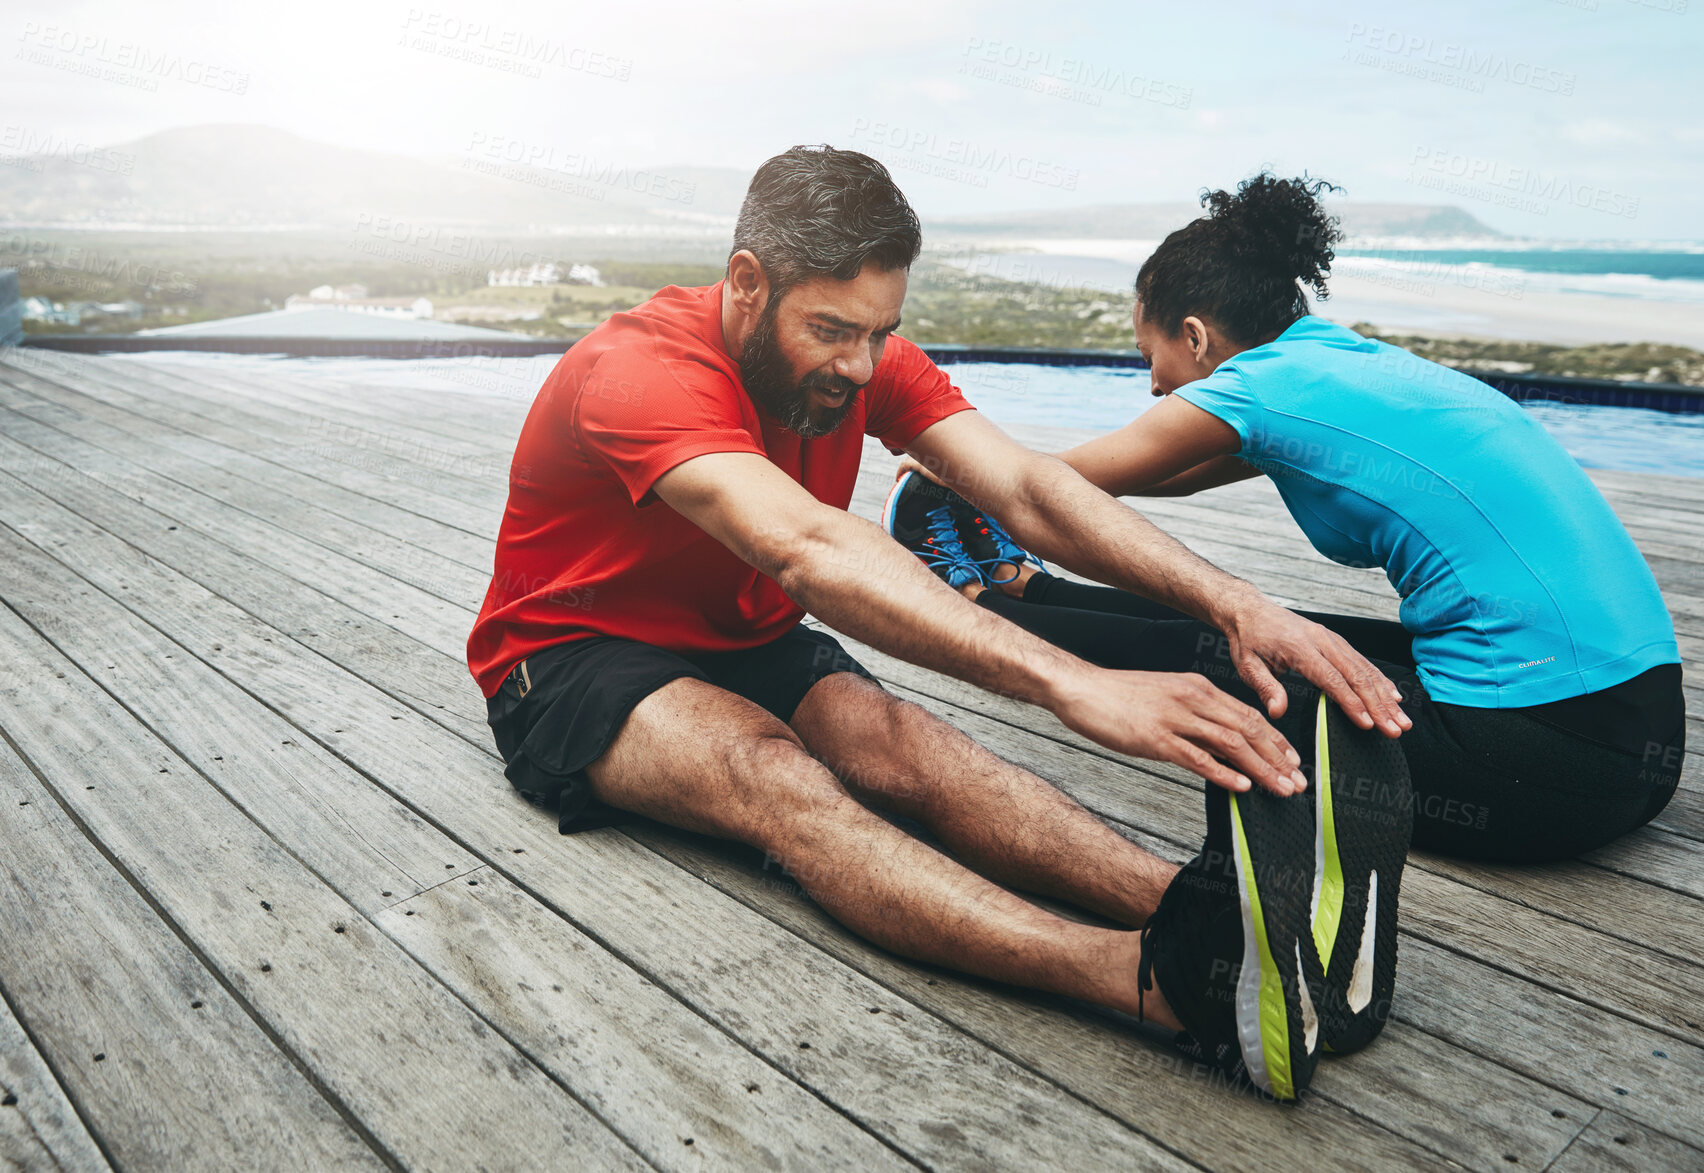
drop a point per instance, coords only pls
(1511, 785)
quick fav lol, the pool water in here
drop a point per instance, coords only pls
(1097, 399)
(1103, 398)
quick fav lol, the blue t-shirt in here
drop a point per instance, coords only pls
(1517, 579)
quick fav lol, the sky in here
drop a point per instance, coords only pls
(1562, 119)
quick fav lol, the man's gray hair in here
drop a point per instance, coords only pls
(823, 212)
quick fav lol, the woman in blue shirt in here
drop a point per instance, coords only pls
(1536, 655)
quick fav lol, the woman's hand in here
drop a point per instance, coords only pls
(1264, 638)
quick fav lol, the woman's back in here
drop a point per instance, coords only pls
(1518, 581)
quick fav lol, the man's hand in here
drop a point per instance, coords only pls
(908, 463)
(1180, 717)
(1266, 638)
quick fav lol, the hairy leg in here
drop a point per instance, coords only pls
(1003, 821)
(704, 759)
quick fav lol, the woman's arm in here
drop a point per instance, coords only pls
(1161, 453)
(1209, 474)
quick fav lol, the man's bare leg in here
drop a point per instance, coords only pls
(698, 757)
(999, 819)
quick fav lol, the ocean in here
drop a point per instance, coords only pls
(1666, 273)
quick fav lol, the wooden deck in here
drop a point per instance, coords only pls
(266, 900)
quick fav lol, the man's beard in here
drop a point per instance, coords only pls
(768, 379)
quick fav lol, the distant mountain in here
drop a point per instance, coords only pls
(240, 176)
(255, 176)
(1154, 221)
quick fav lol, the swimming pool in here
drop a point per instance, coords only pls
(1098, 399)
(1104, 398)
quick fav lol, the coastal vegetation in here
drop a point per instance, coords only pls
(173, 279)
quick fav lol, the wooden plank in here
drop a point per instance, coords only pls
(684, 1092)
(216, 442)
(1656, 857)
(492, 418)
(318, 621)
(633, 1064)
(356, 472)
(458, 467)
(1490, 1112)
(376, 594)
(39, 1129)
(84, 542)
(267, 408)
(272, 397)
(303, 508)
(425, 1077)
(906, 1082)
(1616, 1143)
(1622, 975)
(141, 1037)
(1125, 789)
(908, 1077)
(371, 849)
(1580, 1049)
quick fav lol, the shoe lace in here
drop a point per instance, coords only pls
(945, 548)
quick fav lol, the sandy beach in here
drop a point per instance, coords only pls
(1435, 300)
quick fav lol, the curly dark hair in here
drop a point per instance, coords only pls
(1243, 265)
(820, 211)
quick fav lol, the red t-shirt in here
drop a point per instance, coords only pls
(586, 550)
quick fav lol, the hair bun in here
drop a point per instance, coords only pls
(1277, 226)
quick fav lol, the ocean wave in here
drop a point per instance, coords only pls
(1508, 280)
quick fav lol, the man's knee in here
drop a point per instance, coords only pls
(773, 776)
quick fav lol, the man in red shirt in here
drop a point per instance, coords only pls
(677, 502)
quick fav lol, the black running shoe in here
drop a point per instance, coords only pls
(1364, 815)
(1231, 944)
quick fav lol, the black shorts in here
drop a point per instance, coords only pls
(558, 710)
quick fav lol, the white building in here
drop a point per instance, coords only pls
(538, 273)
(545, 273)
(385, 307)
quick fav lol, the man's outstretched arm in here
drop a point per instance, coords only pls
(1053, 511)
(852, 575)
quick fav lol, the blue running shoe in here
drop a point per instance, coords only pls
(917, 516)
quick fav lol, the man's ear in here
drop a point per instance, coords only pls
(747, 283)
